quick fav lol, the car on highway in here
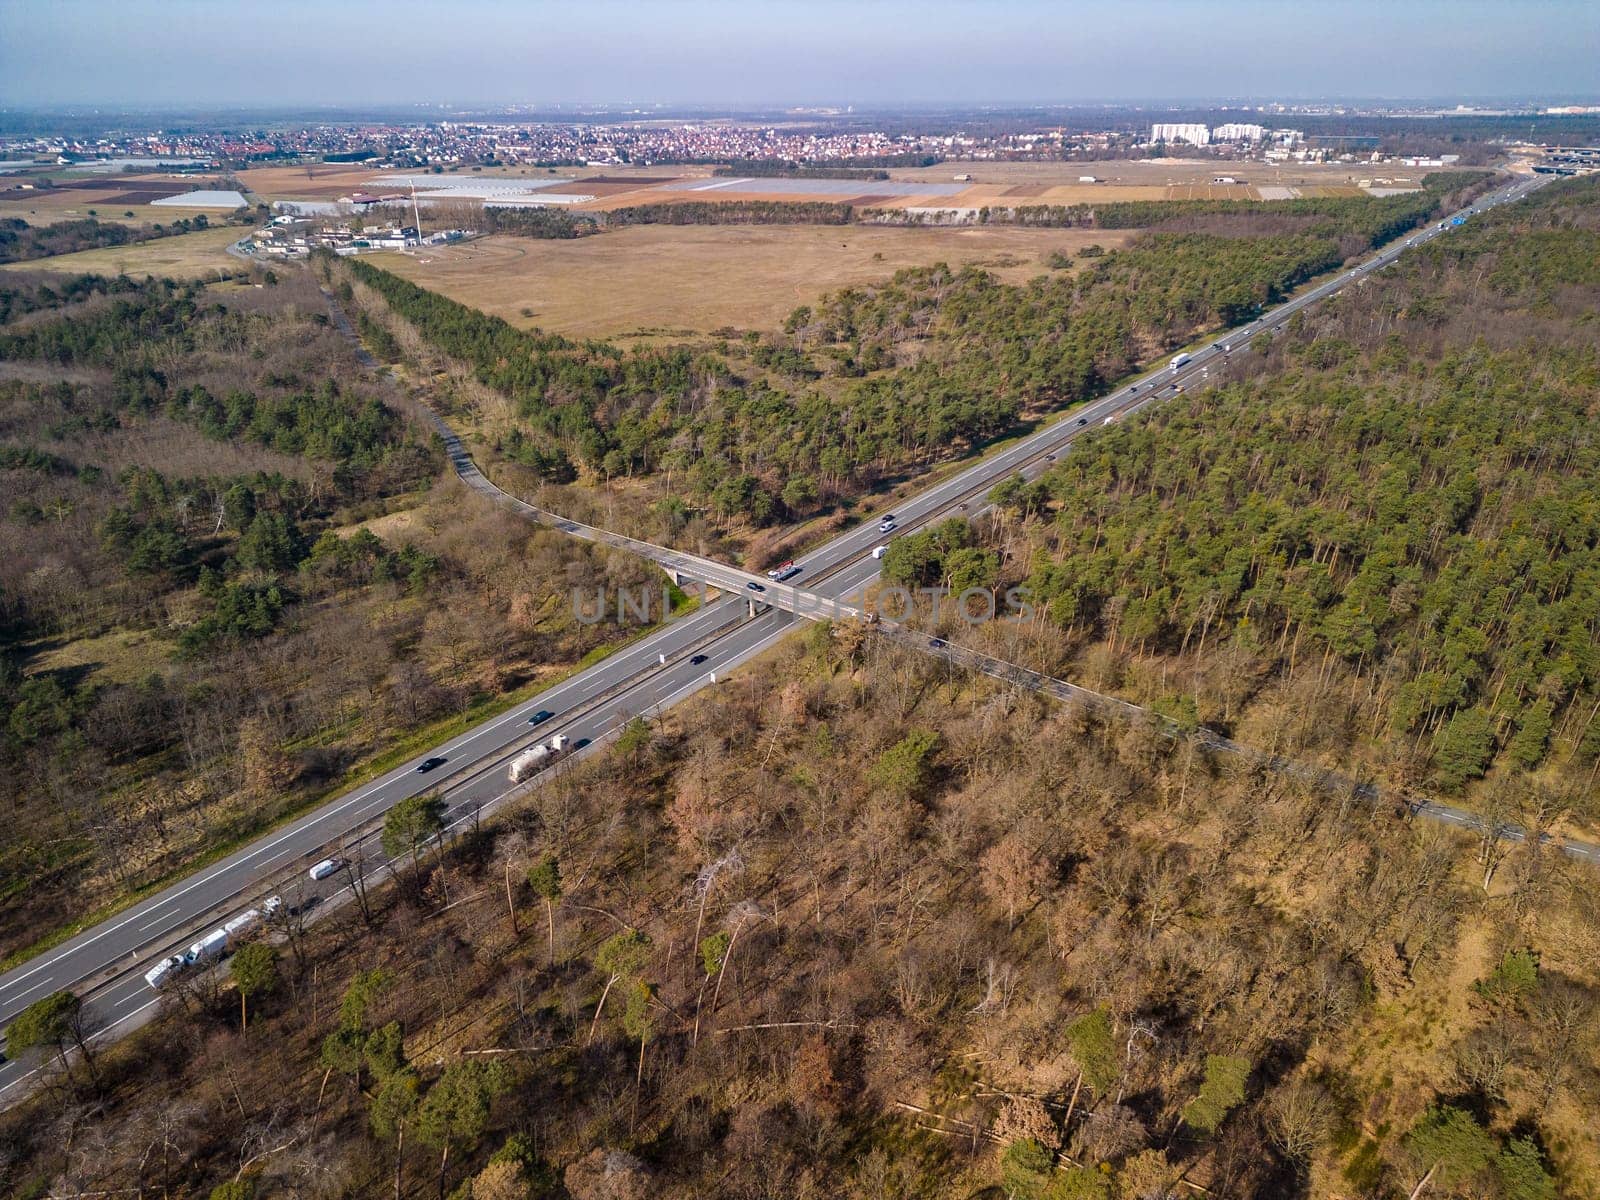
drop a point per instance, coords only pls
(879, 551)
(432, 762)
(540, 717)
(756, 587)
(788, 572)
(698, 659)
(886, 526)
(1134, 388)
(780, 569)
(1083, 420)
(326, 867)
(580, 743)
(1049, 458)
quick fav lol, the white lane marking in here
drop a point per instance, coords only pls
(35, 988)
(95, 1037)
(1039, 438)
(308, 823)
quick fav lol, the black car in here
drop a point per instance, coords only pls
(1083, 420)
(756, 587)
(697, 660)
(428, 764)
(540, 717)
(1049, 458)
(580, 743)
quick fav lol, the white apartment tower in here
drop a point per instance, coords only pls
(1195, 135)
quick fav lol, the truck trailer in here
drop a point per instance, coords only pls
(535, 759)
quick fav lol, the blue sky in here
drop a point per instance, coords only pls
(277, 53)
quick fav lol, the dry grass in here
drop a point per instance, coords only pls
(121, 656)
(656, 278)
(185, 256)
(45, 206)
(329, 181)
(1167, 172)
(314, 181)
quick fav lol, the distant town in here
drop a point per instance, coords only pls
(810, 137)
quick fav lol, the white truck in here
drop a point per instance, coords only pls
(212, 947)
(165, 971)
(208, 949)
(1179, 359)
(242, 926)
(529, 762)
(535, 759)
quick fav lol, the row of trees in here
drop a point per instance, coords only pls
(869, 928)
(193, 501)
(873, 381)
(1377, 219)
(21, 242)
(32, 294)
(1431, 522)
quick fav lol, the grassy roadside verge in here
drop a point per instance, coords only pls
(406, 747)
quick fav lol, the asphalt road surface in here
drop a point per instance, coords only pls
(106, 963)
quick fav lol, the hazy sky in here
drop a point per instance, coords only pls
(278, 53)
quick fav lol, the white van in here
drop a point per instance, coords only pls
(165, 971)
(879, 551)
(325, 868)
(208, 949)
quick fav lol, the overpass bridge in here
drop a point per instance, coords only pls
(104, 962)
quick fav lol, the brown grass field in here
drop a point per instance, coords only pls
(46, 209)
(186, 256)
(329, 181)
(1162, 173)
(992, 183)
(655, 279)
(313, 181)
(111, 198)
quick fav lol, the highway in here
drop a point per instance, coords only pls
(106, 963)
